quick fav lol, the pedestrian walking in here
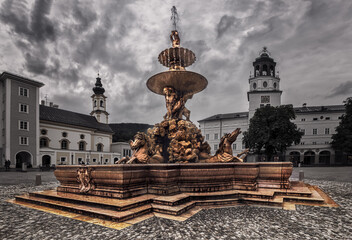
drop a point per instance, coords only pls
(7, 165)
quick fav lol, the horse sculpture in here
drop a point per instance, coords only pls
(142, 151)
(225, 153)
(147, 151)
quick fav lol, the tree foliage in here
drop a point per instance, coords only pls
(271, 130)
(123, 132)
(342, 139)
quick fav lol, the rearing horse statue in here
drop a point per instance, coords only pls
(224, 153)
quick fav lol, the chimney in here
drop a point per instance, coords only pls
(51, 104)
(55, 106)
(304, 105)
(42, 102)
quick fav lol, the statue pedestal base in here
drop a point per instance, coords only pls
(118, 193)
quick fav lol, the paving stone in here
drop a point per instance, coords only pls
(244, 222)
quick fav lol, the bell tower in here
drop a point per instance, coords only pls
(99, 102)
(264, 84)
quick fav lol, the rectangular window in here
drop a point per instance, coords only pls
(315, 119)
(63, 159)
(327, 130)
(23, 140)
(216, 136)
(126, 152)
(23, 92)
(302, 143)
(265, 99)
(303, 120)
(215, 147)
(234, 146)
(327, 118)
(303, 131)
(315, 131)
(23, 125)
(206, 136)
(23, 108)
(314, 143)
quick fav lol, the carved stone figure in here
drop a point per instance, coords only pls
(175, 39)
(84, 179)
(175, 104)
(142, 150)
(225, 153)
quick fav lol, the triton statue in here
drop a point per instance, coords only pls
(177, 140)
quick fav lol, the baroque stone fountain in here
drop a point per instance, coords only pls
(171, 169)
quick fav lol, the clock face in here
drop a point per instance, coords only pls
(265, 99)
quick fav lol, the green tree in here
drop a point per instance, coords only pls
(342, 139)
(271, 130)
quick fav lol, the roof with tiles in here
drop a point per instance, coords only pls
(298, 110)
(72, 118)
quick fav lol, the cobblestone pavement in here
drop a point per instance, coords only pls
(243, 222)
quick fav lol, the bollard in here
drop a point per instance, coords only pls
(24, 167)
(301, 175)
(38, 179)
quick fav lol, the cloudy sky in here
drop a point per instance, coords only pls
(65, 43)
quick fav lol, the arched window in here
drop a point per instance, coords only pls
(309, 157)
(256, 71)
(64, 144)
(324, 157)
(101, 103)
(265, 70)
(82, 146)
(99, 147)
(272, 71)
(43, 142)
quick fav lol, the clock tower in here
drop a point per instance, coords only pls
(264, 84)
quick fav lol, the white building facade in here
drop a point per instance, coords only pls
(43, 136)
(317, 122)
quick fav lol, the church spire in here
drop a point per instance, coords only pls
(98, 89)
(99, 102)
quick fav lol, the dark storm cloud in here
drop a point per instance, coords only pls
(225, 23)
(342, 90)
(35, 64)
(83, 15)
(64, 43)
(41, 26)
(31, 38)
(17, 16)
(198, 47)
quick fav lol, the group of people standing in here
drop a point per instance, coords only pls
(7, 165)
